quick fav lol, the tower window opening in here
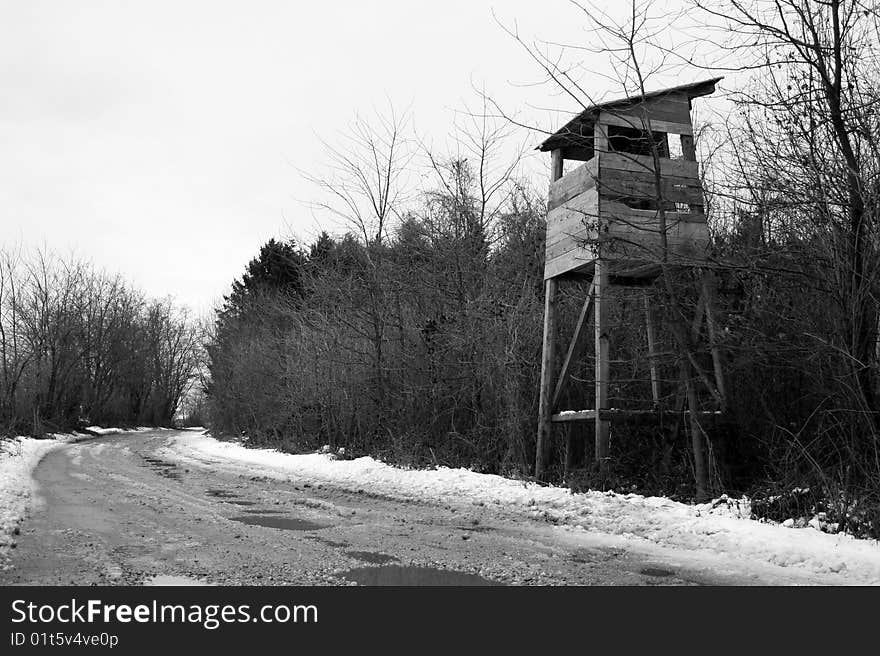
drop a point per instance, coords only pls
(636, 142)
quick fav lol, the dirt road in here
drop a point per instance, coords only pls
(110, 511)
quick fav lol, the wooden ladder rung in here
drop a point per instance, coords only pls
(573, 415)
(589, 415)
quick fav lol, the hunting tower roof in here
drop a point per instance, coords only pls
(583, 123)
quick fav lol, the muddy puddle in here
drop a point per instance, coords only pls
(656, 571)
(283, 523)
(229, 497)
(163, 468)
(221, 494)
(411, 576)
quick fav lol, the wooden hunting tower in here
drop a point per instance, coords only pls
(632, 208)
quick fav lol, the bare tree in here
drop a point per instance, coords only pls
(818, 152)
(366, 184)
(76, 347)
(365, 179)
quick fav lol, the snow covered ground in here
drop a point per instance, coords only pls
(719, 528)
(18, 458)
(97, 430)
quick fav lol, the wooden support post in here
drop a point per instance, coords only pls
(689, 154)
(652, 351)
(576, 436)
(711, 328)
(688, 149)
(574, 348)
(698, 439)
(545, 411)
(556, 164)
(603, 369)
(600, 138)
(570, 449)
(545, 398)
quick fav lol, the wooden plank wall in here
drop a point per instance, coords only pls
(669, 114)
(635, 234)
(586, 218)
(569, 226)
(630, 234)
(625, 175)
(581, 179)
(676, 168)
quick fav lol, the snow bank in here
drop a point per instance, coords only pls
(718, 528)
(18, 458)
(103, 431)
(98, 430)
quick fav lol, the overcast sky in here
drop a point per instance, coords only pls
(161, 139)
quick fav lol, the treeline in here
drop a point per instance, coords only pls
(422, 348)
(80, 347)
(417, 335)
(797, 201)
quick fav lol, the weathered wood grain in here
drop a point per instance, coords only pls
(635, 234)
(639, 123)
(679, 168)
(546, 388)
(570, 261)
(568, 227)
(573, 183)
(644, 186)
(601, 306)
(672, 109)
